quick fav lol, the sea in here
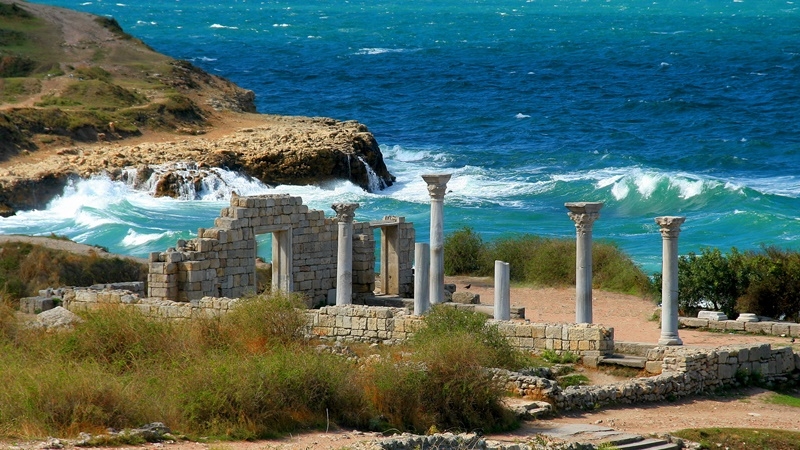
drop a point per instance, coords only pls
(667, 107)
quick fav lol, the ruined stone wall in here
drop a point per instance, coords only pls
(220, 262)
(686, 371)
(761, 327)
(356, 323)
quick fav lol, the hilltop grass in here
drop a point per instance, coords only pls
(742, 438)
(244, 375)
(27, 268)
(540, 261)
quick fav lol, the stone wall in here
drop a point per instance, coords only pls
(763, 327)
(356, 323)
(220, 262)
(686, 371)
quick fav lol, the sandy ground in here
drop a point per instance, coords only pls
(630, 318)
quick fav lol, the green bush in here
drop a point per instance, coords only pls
(462, 253)
(765, 282)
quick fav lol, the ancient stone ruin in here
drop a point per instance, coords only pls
(221, 261)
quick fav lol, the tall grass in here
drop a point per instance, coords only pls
(442, 381)
(543, 261)
(245, 375)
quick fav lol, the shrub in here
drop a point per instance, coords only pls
(445, 323)
(256, 323)
(765, 282)
(462, 252)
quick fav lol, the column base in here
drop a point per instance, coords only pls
(670, 341)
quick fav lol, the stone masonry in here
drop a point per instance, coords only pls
(221, 261)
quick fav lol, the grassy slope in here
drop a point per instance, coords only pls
(65, 77)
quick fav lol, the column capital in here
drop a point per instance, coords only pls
(583, 214)
(437, 184)
(345, 211)
(670, 226)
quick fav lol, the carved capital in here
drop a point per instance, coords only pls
(583, 214)
(670, 226)
(345, 211)
(583, 222)
(437, 185)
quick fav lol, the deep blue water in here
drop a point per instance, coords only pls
(674, 107)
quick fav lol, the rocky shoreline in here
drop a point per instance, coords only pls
(273, 149)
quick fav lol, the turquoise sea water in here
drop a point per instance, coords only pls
(675, 107)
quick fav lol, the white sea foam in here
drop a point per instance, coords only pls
(216, 25)
(134, 239)
(380, 51)
(281, 25)
(521, 116)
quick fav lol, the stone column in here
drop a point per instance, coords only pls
(670, 228)
(583, 214)
(344, 260)
(421, 271)
(502, 291)
(437, 186)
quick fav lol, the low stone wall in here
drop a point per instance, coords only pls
(86, 300)
(686, 371)
(771, 328)
(356, 323)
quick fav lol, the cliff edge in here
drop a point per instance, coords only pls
(79, 96)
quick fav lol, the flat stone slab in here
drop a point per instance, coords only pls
(636, 362)
(712, 315)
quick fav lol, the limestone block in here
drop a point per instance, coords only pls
(692, 322)
(653, 366)
(716, 325)
(527, 343)
(466, 297)
(734, 325)
(758, 327)
(780, 329)
(552, 331)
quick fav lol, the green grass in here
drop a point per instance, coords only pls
(742, 438)
(784, 399)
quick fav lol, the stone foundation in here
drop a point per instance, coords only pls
(765, 327)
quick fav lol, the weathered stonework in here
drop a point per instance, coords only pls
(220, 262)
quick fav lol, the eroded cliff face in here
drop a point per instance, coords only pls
(273, 149)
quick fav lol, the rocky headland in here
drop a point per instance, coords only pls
(80, 97)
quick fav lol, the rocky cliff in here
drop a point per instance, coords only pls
(79, 96)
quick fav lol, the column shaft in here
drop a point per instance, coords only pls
(344, 256)
(502, 290)
(437, 186)
(583, 214)
(421, 275)
(670, 228)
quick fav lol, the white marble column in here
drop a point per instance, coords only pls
(583, 214)
(421, 283)
(502, 291)
(670, 227)
(344, 260)
(437, 186)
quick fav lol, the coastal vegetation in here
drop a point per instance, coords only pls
(764, 282)
(742, 438)
(26, 268)
(541, 261)
(246, 375)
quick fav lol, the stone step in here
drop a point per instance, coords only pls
(637, 362)
(647, 444)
